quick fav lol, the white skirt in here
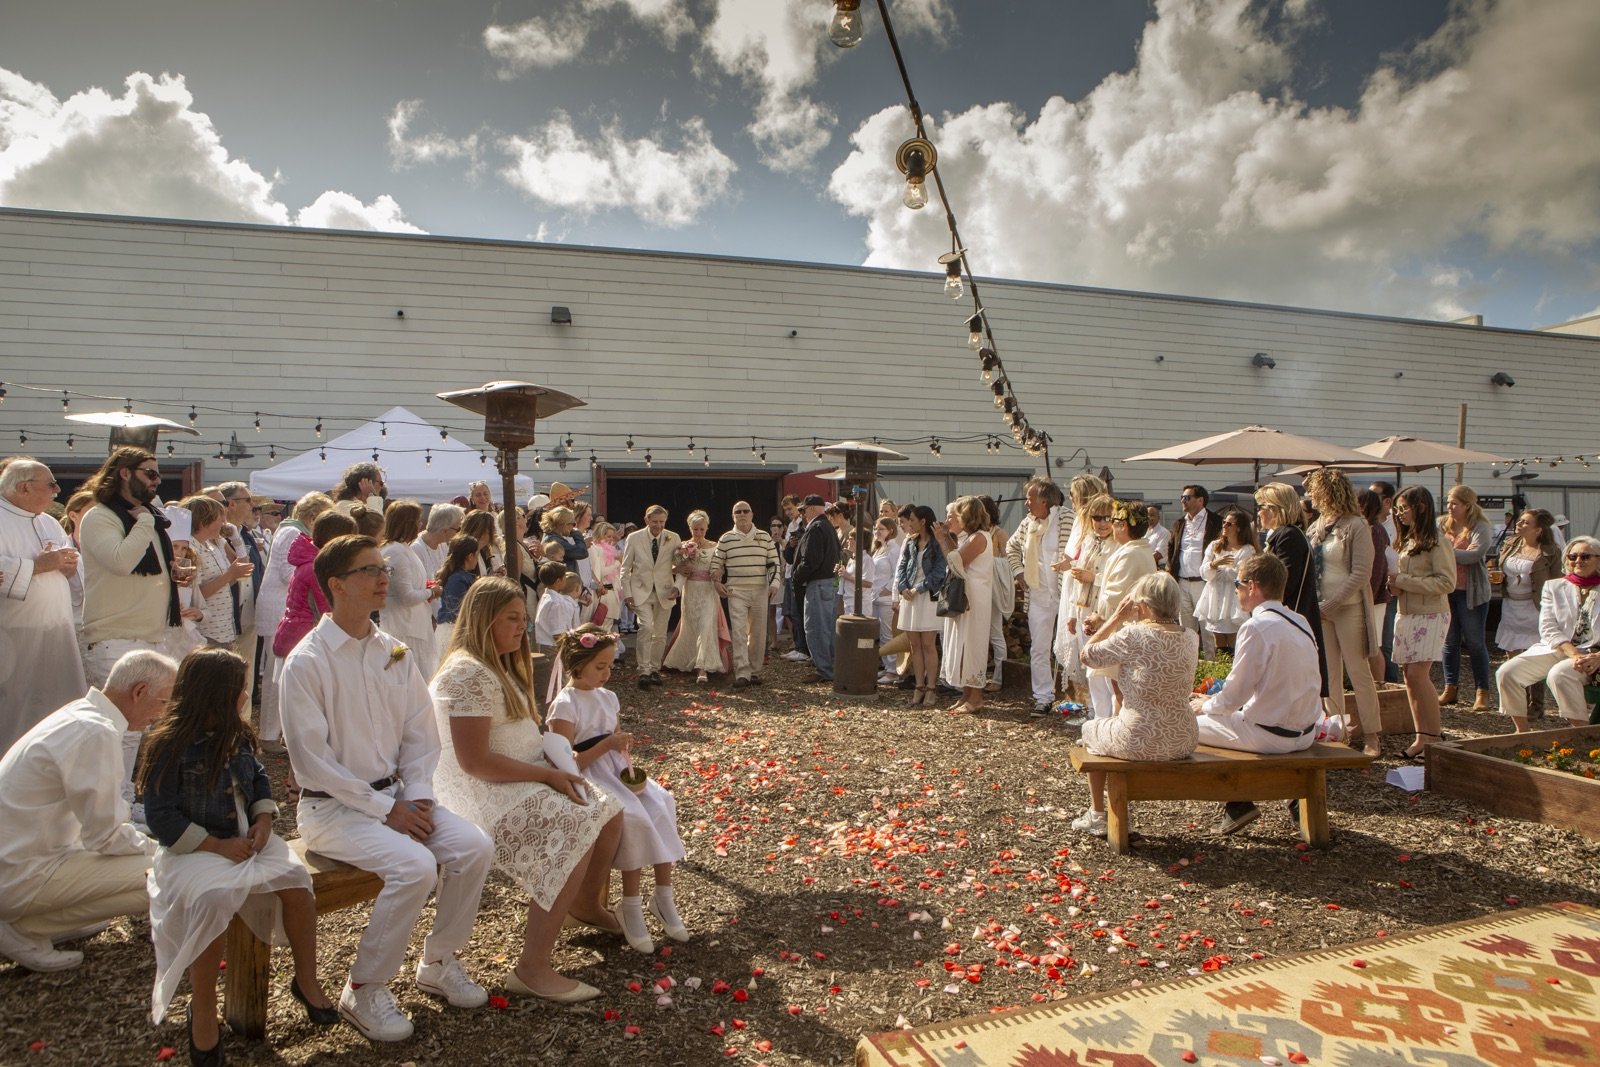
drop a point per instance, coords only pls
(195, 895)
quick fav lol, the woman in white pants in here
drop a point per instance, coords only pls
(1568, 652)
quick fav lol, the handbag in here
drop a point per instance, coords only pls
(953, 598)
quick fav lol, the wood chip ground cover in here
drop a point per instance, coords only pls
(856, 864)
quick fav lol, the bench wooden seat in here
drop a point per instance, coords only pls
(336, 885)
(1223, 774)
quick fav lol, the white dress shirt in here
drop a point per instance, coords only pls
(274, 589)
(1159, 539)
(1276, 678)
(557, 614)
(1192, 552)
(353, 716)
(60, 794)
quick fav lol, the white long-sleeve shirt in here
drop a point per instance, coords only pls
(353, 716)
(1276, 678)
(557, 614)
(59, 795)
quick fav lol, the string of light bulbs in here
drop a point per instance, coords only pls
(918, 160)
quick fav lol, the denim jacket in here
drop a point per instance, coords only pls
(181, 810)
(934, 569)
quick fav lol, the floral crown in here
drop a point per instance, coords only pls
(1131, 511)
(590, 640)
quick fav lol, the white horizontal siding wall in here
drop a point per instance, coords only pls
(303, 322)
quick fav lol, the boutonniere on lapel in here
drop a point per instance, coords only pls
(396, 654)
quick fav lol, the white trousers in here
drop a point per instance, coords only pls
(1102, 693)
(87, 888)
(1041, 635)
(245, 646)
(747, 628)
(455, 857)
(1553, 668)
(269, 727)
(1188, 590)
(1233, 731)
(653, 615)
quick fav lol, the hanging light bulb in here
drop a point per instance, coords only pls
(990, 363)
(66, 401)
(846, 28)
(482, 459)
(193, 414)
(691, 447)
(444, 435)
(22, 437)
(630, 446)
(648, 462)
(427, 456)
(69, 443)
(272, 451)
(374, 455)
(383, 429)
(321, 452)
(763, 458)
(752, 446)
(951, 261)
(975, 330)
(916, 158)
(707, 455)
(319, 427)
(171, 448)
(537, 462)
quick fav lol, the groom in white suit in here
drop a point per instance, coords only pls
(649, 589)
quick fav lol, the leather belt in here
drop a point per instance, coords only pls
(379, 786)
(1284, 731)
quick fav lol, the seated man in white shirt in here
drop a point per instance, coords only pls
(1271, 701)
(69, 858)
(360, 729)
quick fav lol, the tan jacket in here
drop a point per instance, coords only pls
(643, 577)
(118, 604)
(1425, 581)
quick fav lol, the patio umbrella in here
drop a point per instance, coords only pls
(1400, 452)
(1254, 445)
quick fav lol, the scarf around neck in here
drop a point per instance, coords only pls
(1583, 583)
(149, 565)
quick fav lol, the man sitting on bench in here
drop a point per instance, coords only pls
(1271, 701)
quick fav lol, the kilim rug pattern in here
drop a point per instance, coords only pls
(1519, 989)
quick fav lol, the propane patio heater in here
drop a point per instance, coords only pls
(510, 410)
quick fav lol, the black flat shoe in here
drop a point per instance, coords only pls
(211, 1057)
(320, 1016)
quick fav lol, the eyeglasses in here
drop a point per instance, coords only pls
(1229, 522)
(1187, 496)
(1118, 519)
(1579, 557)
(1240, 583)
(741, 511)
(371, 571)
(1100, 518)
(150, 472)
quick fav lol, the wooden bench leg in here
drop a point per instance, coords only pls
(1117, 812)
(1314, 811)
(246, 980)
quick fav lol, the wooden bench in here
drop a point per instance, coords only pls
(249, 975)
(1223, 774)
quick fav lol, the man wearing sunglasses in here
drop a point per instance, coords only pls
(1568, 653)
(1186, 552)
(40, 668)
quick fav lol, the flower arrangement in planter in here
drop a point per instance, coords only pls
(1209, 674)
(1563, 756)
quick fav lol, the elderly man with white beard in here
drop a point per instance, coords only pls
(40, 668)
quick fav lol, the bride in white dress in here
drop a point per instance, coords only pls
(966, 636)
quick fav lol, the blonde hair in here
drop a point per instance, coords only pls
(473, 635)
(970, 510)
(553, 517)
(204, 510)
(310, 507)
(1338, 496)
(697, 518)
(1284, 498)
(1468, 496)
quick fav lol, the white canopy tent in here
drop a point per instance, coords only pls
(417, 463)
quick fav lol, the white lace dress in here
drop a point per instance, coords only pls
(966, 636)
(1157, 673)
(649, 819)
(539, 834)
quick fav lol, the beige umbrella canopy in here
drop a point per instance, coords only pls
(1415, 454)
(1255, 445)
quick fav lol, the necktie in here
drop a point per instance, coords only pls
(655, 549)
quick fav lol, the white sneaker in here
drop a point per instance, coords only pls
(796, 656)
(1091, 821)
(372, 1010)
(35, 953)
(448, 979)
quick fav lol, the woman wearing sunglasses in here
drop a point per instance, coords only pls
(1568, 652)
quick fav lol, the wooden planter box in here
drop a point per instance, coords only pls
(1515, 790)
(1393, 707)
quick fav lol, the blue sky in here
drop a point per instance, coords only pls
(1421, 158)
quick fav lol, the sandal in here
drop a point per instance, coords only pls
(916, 696)
(1421, 753)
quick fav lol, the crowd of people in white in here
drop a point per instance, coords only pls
(442, 719)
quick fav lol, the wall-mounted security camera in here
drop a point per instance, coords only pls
(1502, 378)
(1263, 361)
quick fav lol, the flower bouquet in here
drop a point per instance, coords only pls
(687, 550)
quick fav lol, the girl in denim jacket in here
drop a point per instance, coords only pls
(208, 801)
(919, 580)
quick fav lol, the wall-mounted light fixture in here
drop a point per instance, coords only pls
(1502, 378)
(560, 316)
(1263, 361)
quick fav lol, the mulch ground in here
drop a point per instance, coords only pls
(855, 865)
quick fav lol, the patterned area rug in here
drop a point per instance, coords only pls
(1521, 989)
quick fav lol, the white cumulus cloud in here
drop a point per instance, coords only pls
(146, 152)
(1196, 172)
(406, 147)
(550, 40)
(560, 167)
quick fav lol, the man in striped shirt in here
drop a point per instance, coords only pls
(747, 568)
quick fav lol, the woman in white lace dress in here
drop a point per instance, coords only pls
(554, 833)
(966, 636)
(1156, 658)
(701, 643)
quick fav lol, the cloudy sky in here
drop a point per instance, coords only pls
(1418, 157)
